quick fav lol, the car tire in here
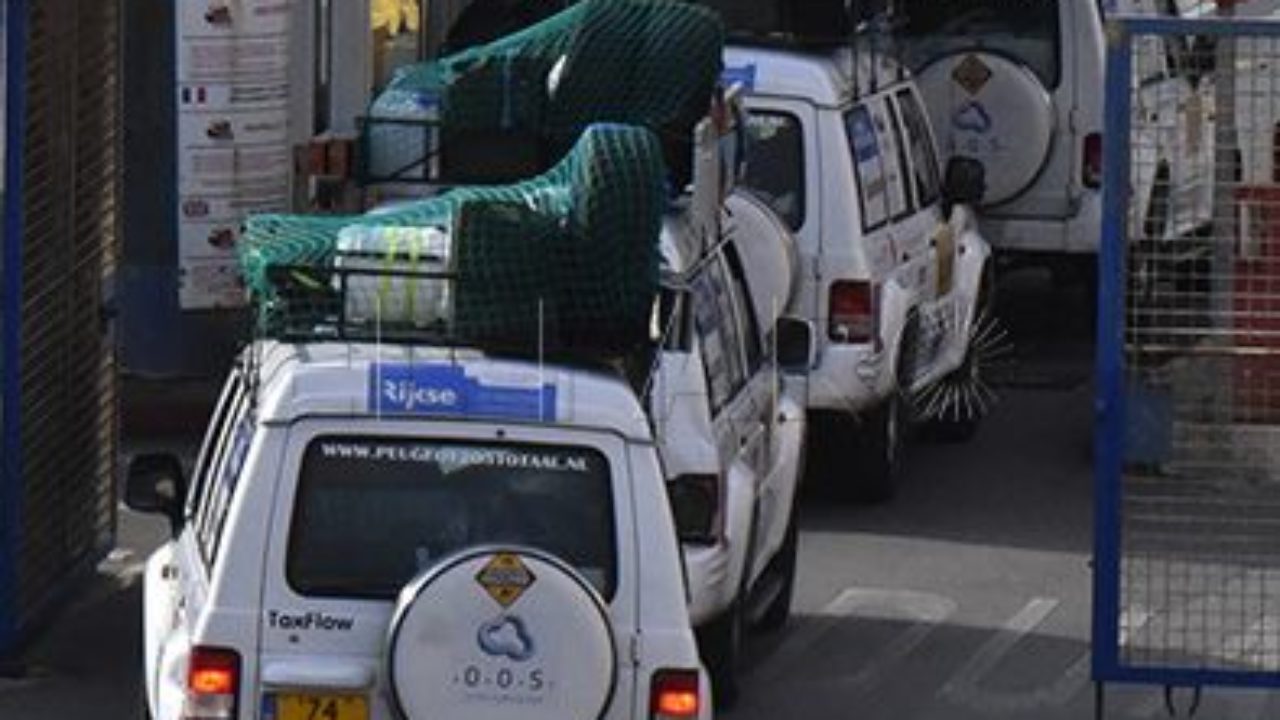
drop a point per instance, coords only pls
(720, 641)
(782, 566)
(880, 437)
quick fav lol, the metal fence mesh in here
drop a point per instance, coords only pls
(1200, 489)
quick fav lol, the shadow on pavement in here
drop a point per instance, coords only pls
(88, 664)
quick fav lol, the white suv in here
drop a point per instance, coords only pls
(892, 269)
(727, 409)
(394, 532)
(1018, 86)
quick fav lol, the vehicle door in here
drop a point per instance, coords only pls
(940, 326)
(777, 473)
(732, 393)
(784, 169)
(177, 589)
(896, 237)
(365, 506)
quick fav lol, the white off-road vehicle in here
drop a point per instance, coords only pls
(726, 402)
(1018, 86)
(388, 531)
(892, 270)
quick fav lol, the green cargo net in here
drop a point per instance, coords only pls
(566, 262)
(508, 109)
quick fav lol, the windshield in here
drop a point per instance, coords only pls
(371, 513)
(1026, 30)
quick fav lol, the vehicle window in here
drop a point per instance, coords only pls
(222, 486)
(1024, 29)
(924, 163)
(865, 147)
(371, 513)
(775, 164)
(230, 396)
(717, 330)
(753, 347)
(895, 160)
(671, 320)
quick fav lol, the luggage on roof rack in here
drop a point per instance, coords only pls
(510, 108)
(564, 263)
(796, 22)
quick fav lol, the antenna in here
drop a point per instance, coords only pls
(896, 22)
(377, 353)
(542, 381)
(854, 9)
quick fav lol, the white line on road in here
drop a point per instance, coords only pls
(964, 688)
(922, 612)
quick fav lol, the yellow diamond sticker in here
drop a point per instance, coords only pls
(505, 577)
(971, 74)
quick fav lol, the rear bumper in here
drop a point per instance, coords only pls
(849, 378)
(1078, 234)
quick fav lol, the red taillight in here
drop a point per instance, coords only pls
(213, 683)
(695, 506)
(1091, 167)
(674, 694)
(851, 316)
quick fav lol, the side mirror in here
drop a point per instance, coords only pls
(965, 182)
(154, 484)
(795, 343)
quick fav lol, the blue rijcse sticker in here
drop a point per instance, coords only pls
(744, 75)
(447, 391)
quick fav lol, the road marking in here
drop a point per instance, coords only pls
(964, 688)
(923, 612)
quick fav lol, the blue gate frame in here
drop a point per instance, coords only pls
(1193, 630)
(10, 321)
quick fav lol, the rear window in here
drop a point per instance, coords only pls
(371, 514)
(1026, 30)
(775, 164)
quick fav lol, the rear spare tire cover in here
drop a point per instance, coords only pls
(498, 634)
(994, 110)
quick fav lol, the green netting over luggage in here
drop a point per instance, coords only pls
(568, 259)
(510, 108)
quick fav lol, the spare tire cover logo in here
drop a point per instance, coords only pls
(505, 577)
(971, 74)
(972, 117)
(507, 637)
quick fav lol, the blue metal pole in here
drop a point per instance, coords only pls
(11, 322)
(1109, 435)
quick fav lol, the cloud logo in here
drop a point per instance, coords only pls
(973, 117)
(506, 637)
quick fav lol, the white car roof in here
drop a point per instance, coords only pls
(342, 379)
(823, 77)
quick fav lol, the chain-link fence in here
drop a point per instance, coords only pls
(1188, 584)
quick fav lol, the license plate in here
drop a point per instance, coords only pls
(311, 706)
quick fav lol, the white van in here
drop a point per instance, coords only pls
(376, 532)
(892, 270)
(1018, 85)
(727, 407)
